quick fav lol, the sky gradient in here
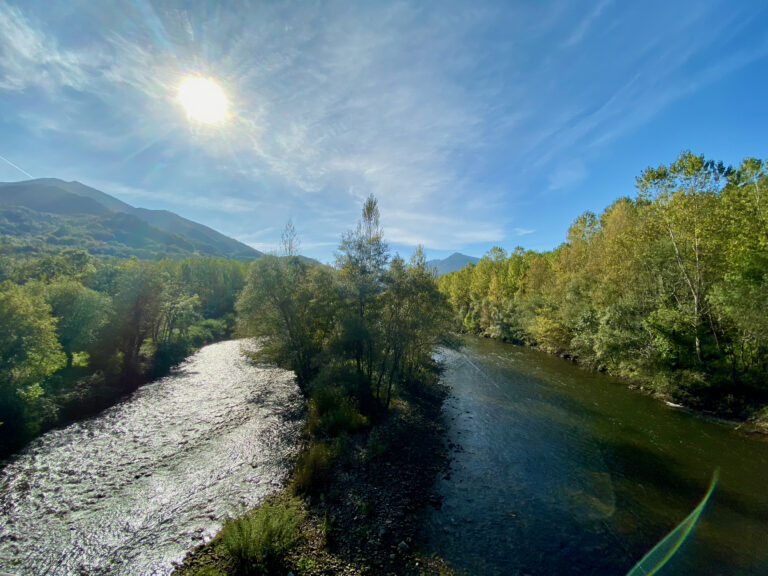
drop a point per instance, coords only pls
(474, 124)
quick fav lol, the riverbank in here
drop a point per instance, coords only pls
(364, 517)
(750, 419)
(77, 393)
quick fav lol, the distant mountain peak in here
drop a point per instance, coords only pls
(452, 263)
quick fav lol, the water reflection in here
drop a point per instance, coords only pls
(130, 491)
(566, 471)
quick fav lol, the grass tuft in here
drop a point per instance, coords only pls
(313, 468)
(257, 542)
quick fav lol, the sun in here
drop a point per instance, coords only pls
(203, 99)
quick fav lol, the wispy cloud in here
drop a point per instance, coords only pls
(584, 25)
(29, 57)
(455, 116)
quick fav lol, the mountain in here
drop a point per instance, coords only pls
(52, 211)
(454, 262)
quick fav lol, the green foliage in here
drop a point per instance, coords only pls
(29, 352)
(207, 571)
(122, 320)
(81, 314)
(312, 468)
(670, 288)
(257, 542)
(306, 564)
(327, 529)
(362, 328)
(332, 412)
(293, 303)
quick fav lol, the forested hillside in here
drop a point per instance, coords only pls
(40, 214)
(669, 288)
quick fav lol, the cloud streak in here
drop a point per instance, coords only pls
(16, 167)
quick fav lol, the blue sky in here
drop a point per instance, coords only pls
(474, 123)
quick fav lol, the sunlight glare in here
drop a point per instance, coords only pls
(203, 99)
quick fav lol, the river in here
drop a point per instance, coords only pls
(558, 470)
(131, 490)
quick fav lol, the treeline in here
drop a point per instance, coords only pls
(78, 332)
(355, 331)
(669, 289)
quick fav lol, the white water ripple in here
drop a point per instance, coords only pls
(131, 490)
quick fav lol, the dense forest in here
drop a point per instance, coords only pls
(669, 288)
(79, 331)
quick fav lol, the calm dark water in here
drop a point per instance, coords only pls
(563, 471)
(130, 491)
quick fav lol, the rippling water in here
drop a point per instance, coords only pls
(563, 471)
(131, 490)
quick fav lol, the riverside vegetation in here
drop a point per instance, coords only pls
(669, 289)
(360, 338)
(79, 332)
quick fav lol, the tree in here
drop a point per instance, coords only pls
(415, 316)
(178, 310)
(291, 304)
(684, 195)
(361, 261)
(137, 303)
(289, 240)
(740, 297)
(29, 352)
(80, 312)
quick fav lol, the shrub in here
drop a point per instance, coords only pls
(305, 564)
(258, 541)
(332, 412)
(207, 331)
(169, 354)
(312, 468)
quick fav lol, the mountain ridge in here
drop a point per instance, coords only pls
(76, 211)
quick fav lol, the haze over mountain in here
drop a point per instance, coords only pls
(452, 263)
(52, 211)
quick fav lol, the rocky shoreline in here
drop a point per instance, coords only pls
(367, 516)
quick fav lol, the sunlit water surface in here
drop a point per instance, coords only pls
(564, 471)
(131, 490)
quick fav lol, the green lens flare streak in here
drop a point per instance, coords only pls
(660, 554)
